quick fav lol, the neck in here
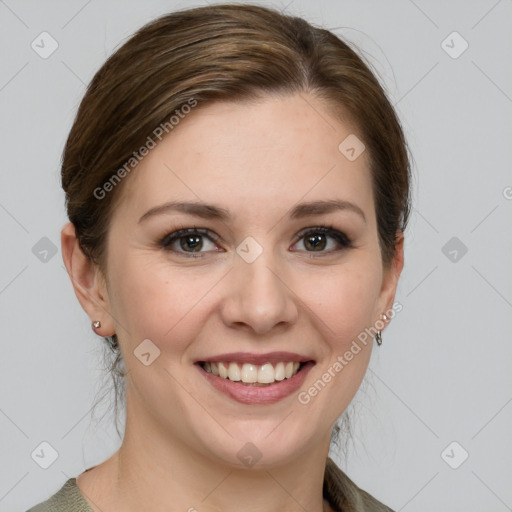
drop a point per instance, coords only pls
(150, 472)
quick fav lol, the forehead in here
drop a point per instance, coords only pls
(248, 155)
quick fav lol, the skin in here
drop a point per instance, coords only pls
(257, 160)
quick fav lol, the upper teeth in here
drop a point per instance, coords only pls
(250, 373)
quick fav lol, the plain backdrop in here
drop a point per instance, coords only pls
(432, 422)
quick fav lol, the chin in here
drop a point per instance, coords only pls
(259, 445)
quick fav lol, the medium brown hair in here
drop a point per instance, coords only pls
(223, 53)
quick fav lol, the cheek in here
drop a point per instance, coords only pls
(343, 301)
(342, 306)
(158, 302)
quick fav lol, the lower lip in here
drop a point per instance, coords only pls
(258, 394)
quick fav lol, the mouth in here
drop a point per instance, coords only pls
(256, 379)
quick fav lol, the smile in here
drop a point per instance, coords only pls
(256, 379)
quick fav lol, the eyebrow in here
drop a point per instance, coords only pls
(210, 211)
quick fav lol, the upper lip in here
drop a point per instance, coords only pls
(258, 359)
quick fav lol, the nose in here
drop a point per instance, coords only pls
(257, 297)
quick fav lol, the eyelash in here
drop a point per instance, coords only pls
(328, 230)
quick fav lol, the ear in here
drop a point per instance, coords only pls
(391, 276)
(87, 280)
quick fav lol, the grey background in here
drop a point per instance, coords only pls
(443, 372)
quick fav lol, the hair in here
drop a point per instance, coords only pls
(221, 53)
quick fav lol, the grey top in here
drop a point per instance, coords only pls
(67, 499)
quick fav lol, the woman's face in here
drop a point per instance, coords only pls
(270, 277)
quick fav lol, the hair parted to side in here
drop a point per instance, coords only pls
(224, 53)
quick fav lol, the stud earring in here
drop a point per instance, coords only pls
(96, 324)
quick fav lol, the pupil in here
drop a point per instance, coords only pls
(316, 241)
(191, 242)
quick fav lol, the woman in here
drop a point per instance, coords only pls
(237, 185)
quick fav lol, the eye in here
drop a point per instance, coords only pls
(194, 242)
(317, 239)
(188, 241)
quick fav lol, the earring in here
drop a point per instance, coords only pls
(96, 324)
(378, 336)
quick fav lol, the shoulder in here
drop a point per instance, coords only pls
(67, 499)
(344, 495)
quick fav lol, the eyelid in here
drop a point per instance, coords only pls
(326, 229)
(182, 231)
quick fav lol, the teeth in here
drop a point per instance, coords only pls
(223, 371)
(251, 373)
(266, 374)
(234, 372)
(279, 374)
